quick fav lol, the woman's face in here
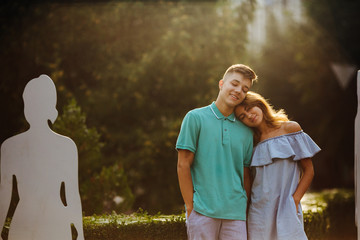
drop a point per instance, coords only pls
(251, 117)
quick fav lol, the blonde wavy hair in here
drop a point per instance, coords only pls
(272, 117)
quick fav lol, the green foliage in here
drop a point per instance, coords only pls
(109, 191)
(139, 226)
(136, 68)
(138, 91)
(102, 188)
(295, 74)
(341, 214)
(329, 215)
(167, 81)
(72, 123)
(339, 18)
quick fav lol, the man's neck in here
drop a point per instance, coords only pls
(223, 108)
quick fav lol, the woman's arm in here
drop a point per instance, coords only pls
(247, 182)
(305, 181)
(247, 186)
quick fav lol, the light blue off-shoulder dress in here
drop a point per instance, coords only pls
(275, 164)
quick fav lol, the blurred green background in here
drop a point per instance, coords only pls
(127, 73)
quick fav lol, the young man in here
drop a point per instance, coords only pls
(214, 154)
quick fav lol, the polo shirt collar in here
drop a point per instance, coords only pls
(219, 115)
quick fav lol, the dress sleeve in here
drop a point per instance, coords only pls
(294, 146)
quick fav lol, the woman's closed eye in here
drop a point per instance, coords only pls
(241, 116)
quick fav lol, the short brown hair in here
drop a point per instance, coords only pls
(246, 71)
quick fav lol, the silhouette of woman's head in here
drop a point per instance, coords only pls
(40, 101)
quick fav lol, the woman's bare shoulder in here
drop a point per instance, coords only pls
(291, 126)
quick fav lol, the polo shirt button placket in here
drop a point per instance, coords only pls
(226, 137)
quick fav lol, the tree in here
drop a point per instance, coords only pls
(298, 77)
(103, 188)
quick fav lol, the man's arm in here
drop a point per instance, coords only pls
(247, 182)
(185, 160)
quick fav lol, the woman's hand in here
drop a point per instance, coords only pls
(305, 181)
(297, 202)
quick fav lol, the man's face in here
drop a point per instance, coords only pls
(233, 88)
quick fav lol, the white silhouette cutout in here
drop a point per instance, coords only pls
(357, 160)
(42, 161)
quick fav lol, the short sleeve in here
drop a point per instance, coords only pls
(189, 132)
(248, 152)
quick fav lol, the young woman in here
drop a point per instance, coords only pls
(282, 170)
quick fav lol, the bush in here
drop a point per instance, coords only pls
(327, 215)
(138, 226)
(330, 214)
(340, 212)
(103, 185)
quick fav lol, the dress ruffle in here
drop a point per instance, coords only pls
(294, 146)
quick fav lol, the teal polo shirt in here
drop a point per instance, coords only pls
(222, 148)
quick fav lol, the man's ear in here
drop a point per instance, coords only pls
(221, 83)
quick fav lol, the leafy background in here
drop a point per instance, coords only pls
(127, 73)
